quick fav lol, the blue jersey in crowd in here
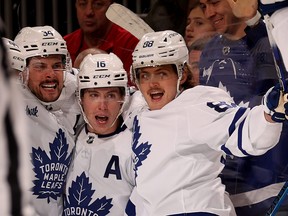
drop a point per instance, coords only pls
(245, 68)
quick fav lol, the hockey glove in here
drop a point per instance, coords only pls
(276, 104)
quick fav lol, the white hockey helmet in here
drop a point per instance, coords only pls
(15, 55)
(160, 48)
(40, 41)
(100, 71)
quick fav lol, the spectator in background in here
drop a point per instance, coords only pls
(199, 30)
(239, 60)
(195, 51)
(239, 57)
(168, 15)
(99, 32)
(197, 25)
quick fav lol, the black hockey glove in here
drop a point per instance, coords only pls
(276, 104)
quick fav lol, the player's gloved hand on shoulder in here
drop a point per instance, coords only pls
(276, 104)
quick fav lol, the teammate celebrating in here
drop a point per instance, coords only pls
(52, 113)
(101, 177)
(179, 144)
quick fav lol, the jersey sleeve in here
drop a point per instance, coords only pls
(235, 130)
(253, 135)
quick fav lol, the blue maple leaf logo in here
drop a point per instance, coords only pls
(141, 151)
(51, 172)
(80, 196)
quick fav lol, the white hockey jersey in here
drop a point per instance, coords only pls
(52, 132)
(179, 150)
(101, 176)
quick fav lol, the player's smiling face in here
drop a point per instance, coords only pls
(158, 85)
(101, 107)
(45, 77)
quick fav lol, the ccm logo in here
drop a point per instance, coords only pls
(50, 44)
(101, 76)
(17, 58)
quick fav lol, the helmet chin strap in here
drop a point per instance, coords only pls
(87, 121)
(178, 87)
(84, 115)
(25, 79)
(121, 110)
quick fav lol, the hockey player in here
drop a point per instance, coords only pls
(179, 143)
(101, 177)
(52, 113)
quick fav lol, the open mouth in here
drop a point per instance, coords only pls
(156, 95)
(49, 86)
(101, 119)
